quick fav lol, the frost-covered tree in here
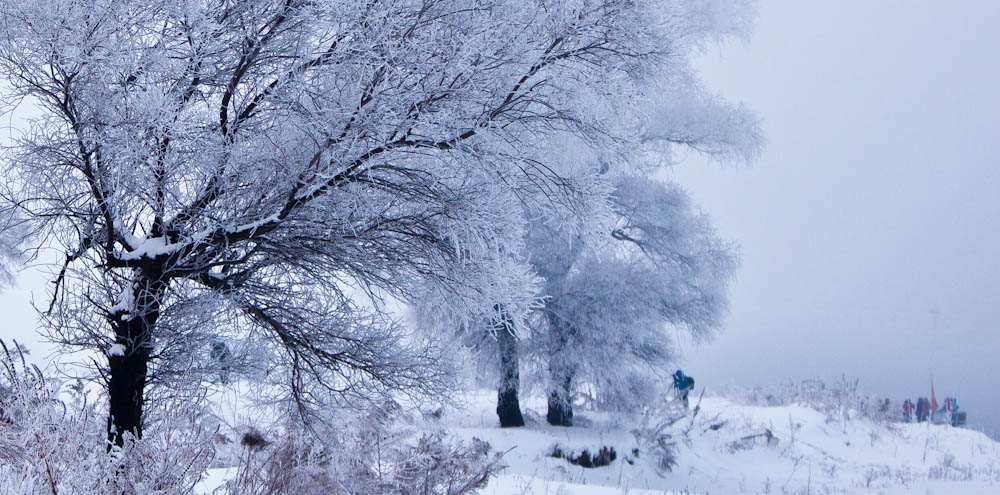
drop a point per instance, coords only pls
(615, 285)
(610, 304)
(607, 295)
(244, 169)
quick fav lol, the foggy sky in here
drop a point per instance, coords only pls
(875, 209)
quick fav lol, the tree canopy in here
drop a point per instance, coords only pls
(212, 167)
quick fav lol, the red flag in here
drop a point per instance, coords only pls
(934, 404)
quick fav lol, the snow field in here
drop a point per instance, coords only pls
(726, 451)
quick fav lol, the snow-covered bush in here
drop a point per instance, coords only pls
(835, 400)
(380, 456)
(53, 441)
(655, 436)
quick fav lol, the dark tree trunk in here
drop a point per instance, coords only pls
(128, 368)
(508, 405)
(560, 411)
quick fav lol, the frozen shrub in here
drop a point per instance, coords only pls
(604, 456)
(381, 456)
(748, 442)
(254, 440)
(435, 466)
(837, 400)
(52, 441)
(656, 441)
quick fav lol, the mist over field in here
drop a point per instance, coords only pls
(868, 229)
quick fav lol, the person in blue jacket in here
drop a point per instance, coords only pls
(684, 384)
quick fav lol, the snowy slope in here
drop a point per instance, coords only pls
(726, 451)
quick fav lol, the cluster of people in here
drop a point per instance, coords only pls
(928, 410)
(923, 410)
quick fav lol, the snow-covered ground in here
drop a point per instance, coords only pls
(725, 449)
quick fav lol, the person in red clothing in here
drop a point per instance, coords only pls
(908, 408)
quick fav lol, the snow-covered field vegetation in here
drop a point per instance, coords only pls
(719, 446)
(728, 447)
(733, 448)
(807, 438)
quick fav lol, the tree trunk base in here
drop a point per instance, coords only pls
(508, 406)
(509, 409)
(126, 397)
(560, 413)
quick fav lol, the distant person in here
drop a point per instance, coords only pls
(922, 407)
(222, 359)
(957, 417)
(908, 408)
(954, 416)
(683, 384)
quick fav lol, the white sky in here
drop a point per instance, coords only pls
(875, 206)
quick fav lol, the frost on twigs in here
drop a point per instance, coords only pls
(840, 400)
(657, 434)
(382, 456)
(248, 168)
(274, 172)
(52, 441)
(615, 302)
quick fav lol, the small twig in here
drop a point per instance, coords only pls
(697, 408)
(48, 468)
